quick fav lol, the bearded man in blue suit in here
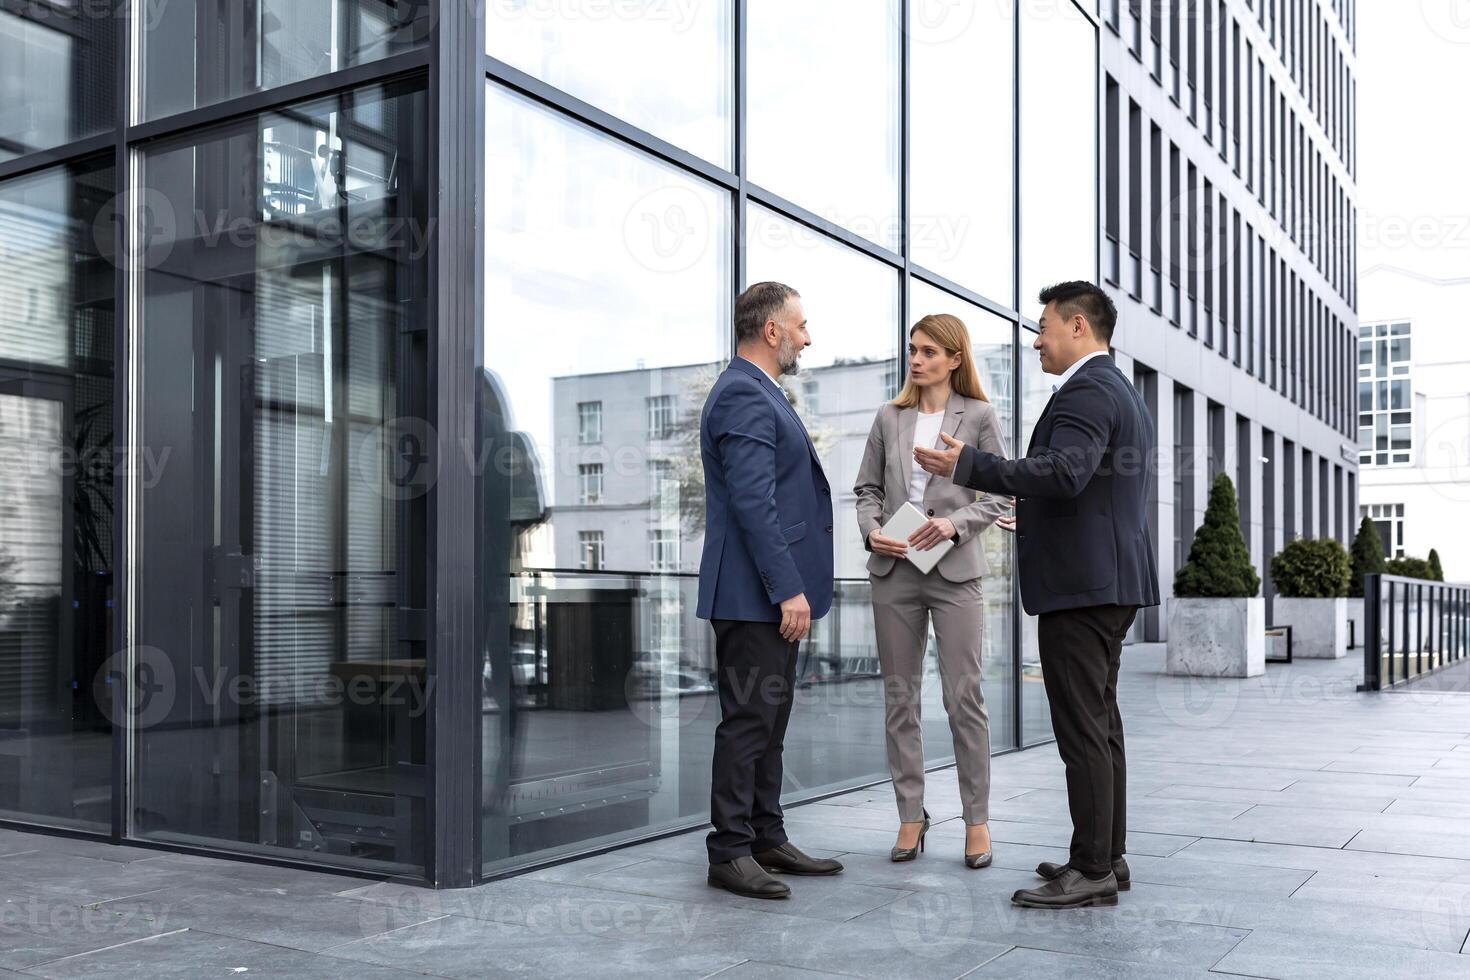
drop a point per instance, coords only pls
(765, 575)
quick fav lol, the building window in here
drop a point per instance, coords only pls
(660, 416)
(665, 485)
(1385, 395)
(590, 548)
(811, 397)
(1389, 521)
(589, 483)
(589, 423)
(663, 550)
(890, 383)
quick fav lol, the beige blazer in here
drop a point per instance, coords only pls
(883, 483)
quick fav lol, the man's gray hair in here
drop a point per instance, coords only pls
(759, 303)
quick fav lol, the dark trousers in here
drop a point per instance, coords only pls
(1080, 652)
(757, 673)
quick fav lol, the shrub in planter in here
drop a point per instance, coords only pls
(1312, 576)
(1219, 563)
(1367, 556)
(1312, 568)
(1217, 623)
(1408, 567)
(1436, 570)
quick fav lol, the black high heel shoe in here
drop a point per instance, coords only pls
(909, 853)
(981, 860)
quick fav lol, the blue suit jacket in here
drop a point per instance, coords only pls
(1082, 495)
(768, 505)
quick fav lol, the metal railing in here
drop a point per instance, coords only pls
(1411, 627)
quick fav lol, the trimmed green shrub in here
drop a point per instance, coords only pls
(1367, 555)
(1312, 568)
(1436, 570)
(1409, 567)
(1219, 564)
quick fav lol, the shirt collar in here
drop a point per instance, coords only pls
(1076, 366)
(759, 368)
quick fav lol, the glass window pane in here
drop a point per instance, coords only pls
(199, 52)
(824, 129)
(620, 57)
(282, 491)
(993, 349)
(607, 281)
(851, 304)
(58, 73)
(56, 484)
(1035, 393)
(1058, 81)
(961, 174)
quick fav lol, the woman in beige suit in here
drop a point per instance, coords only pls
(943, 394)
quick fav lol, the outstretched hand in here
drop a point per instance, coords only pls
(940, 462)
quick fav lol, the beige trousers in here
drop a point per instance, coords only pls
(905, 601)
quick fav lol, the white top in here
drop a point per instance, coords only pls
(1076, 366)
(926, 434)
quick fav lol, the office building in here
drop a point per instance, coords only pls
(1414, 415)
(351, 353)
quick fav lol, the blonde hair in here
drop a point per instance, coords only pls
(950, 333)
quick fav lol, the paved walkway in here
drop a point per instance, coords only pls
(1283, 826)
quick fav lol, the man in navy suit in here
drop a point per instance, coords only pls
(766, 573)
(1086, 565)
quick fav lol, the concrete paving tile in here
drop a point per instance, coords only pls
(1043, 964)
(460, 947)
(1294, 956)
(191, 954)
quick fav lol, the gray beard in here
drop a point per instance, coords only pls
(788, 357)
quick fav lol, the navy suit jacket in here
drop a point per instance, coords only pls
(1081, 495)
(768, 506)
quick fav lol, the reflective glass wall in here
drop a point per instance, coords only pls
(623, 215)
(226, 371)
(57, 505)
(280, 350)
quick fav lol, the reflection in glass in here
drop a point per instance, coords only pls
(961, 175)
(280, 678)
(993, 351)
(199, 52)
(620, 58)
(56, 497)
(607, 318)
(1036, 391)
(824, 130)
(851, 303)
(58, 72)
(1058, 78)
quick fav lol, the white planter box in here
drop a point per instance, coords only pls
(1217, 637)
(1318, 626)
(1356, 614)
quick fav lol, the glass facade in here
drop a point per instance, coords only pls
(368, 536)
